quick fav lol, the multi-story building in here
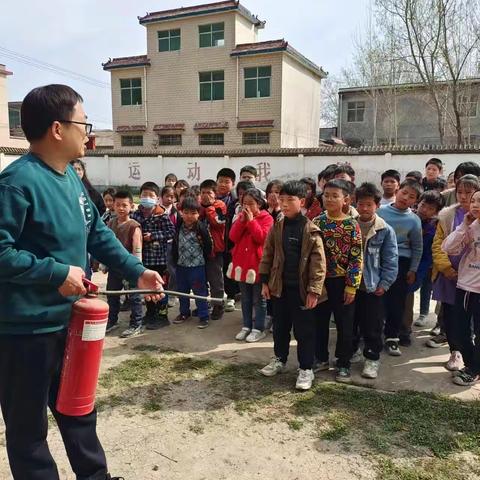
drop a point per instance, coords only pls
(206, 82)
(406, 115)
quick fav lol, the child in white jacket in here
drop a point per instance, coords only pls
(466, 240)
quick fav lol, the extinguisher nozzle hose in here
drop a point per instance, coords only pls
(218, 301)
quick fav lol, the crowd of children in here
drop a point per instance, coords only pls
(305, 250)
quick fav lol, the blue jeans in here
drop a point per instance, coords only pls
(425, 294)
(114, 282)
(194, 279)
(252, 300)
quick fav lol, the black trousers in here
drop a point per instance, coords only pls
(394, 301)
(30, 367)
(344, 315)
(232, 287)
(467, 309)
(368, 324)
(154, 309)
(287, 312)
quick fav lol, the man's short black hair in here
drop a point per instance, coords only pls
(244, 185)
(45, 105)
(122, 194)
(190, 203)
(310, 182)
(435, 161)
(343, 185)
(344, 168)
(152, 186)
(109, 191)
(209, 184)
(368, 190)
(294, 188)
(391, 174)
(415, 174)
(328, 172)
(413, 184)
(466, 168)
(227, 173)
(433, 197)
(250, 169)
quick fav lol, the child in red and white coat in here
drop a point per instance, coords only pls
(248, 234)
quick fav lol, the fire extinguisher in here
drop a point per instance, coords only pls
(83, 354)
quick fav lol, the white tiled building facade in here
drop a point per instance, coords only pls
(206, 83)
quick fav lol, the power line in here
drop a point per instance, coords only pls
(33, 62)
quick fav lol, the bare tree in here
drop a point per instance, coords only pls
(329, 102)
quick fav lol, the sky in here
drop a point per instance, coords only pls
(79, 35)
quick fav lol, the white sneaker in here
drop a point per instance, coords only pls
(230, 305)
(255, 336)
(243, 334)
(274, 367)
(304, 379)
(357, 356)
(370, 369)
(421, 321)
(455, 362)
(172, 302)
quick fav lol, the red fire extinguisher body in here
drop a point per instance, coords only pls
(83, 354)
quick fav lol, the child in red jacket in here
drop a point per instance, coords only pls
(248, 234)
(214, 215)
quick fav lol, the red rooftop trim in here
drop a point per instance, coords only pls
(255, 124)
(124, 62)
(131, 128)
(210, 125)
(168, 126)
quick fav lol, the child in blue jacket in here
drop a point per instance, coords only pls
(380, 269)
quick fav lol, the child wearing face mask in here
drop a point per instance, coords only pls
(157, 231)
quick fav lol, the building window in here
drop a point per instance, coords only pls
(355, 111)
(169, 40)
(14, 119)
(132, 141)
(212, 35)
(169, 139)
(256, 138)
(131, 91)
(257, 82)
(211, 139)
(211, 85)
(468, 105)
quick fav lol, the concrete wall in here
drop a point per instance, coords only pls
(134, 171)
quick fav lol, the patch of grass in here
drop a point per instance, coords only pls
(197, 428)
(186, 364)
(295, 424)
(144, 347)
(334, 426)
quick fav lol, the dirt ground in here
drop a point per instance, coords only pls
(200, 434)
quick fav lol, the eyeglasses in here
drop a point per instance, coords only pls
(88, 126)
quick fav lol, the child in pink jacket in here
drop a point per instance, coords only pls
(248, 234)
(466, 239)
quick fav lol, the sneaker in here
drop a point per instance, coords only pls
(392, 348)
(370, 369)
(304, 379)
(243, 334)
(321, 366)
(202, 323)
(255, 335)
(132, 331)
(230, 305)
(357, 356)
(435, 331)
(217, 312)
(158, 323)
(109, 477)
(456, 373)
(180, 319)
(343, 375)
(466, 379)
(405, 341)
(111, 327)
(172, 302)
(274, 367)
(436, 342)
(455, 362)
(421, 321)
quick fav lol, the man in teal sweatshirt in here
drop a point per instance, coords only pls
(47, 226)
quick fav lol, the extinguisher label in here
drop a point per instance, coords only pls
(94, 331)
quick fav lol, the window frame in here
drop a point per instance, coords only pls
(171, 136)
(211, 135)
(256, 142)
(124, 137)
(355, 109)
(14, 112)
(210, 35)
(169, 38)
(214, 85)
(131, 88)
(257, 78)
(465, 103)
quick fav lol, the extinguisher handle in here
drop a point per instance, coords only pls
(92, 288)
